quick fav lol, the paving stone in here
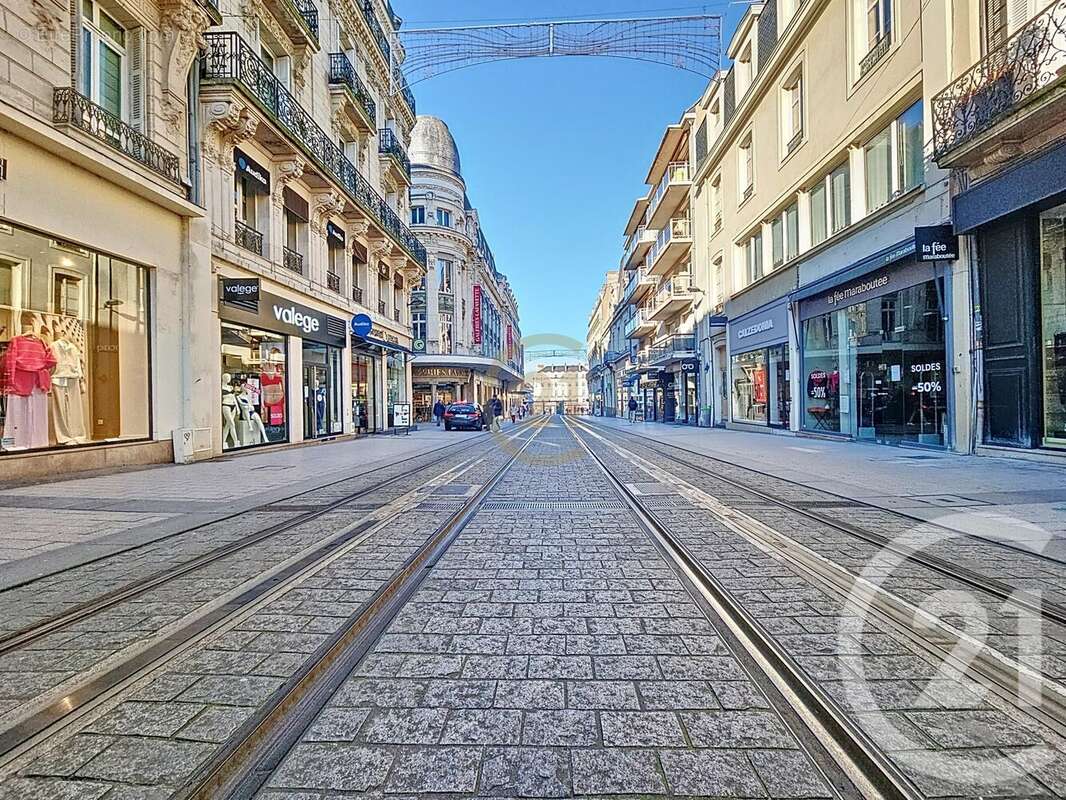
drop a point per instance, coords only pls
(560, 667)
(955, 729)
(694, 668)
(678, 695)
(530, 694)
(525, 772)
(565, 728)
(438, 769)
(135, 718)
(483, 726)
(601, 695)
(736, 729)
(499, 667)
(739, 695)
(337, 725)
(231, 690)
(460, 694)
(710, 773)
(788, 774)
(336, 767)
(146, 762)
(607, 772)
(626, 668)
(641, 729)
(968, 773)
(51, 789)
(386, 693)
(67, 759)
(404, 726)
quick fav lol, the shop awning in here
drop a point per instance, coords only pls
(370, 340)
(880, 259)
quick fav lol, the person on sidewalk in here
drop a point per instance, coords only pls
(438, 412)
(496, 410)
(632, 409)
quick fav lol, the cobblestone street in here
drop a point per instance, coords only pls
(561, 610)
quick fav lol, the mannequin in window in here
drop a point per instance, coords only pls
(26, 378)
(229, 413)
(68, 389)
(272, 386)
(249, 414)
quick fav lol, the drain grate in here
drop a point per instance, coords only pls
(666, 501)
(440, 505)
(551, 505)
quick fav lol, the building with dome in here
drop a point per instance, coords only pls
(467, 339)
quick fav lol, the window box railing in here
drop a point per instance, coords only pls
(1031, 62)
(230, 59)
(877, 52)
(749, 190)
(389, 145)
(342, 73)
(638, 320)
(376, 31)
(357, 294)
(446, 302)
(404, 89)
(794, 142)
(382, 308)
(397, 315)
(71, 108)
(679, 286)
(293, 261)
(333, 282)
(248, 238)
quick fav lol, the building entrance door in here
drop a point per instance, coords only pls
(317, 417)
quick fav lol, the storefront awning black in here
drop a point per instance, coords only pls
(372, 342)
(857, 270)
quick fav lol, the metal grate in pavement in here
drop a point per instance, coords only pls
(667, 501)
(551, 505)
(652, 488)
(439, 505)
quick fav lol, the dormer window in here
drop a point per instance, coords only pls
(745, 71)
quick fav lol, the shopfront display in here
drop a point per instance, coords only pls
(1053, 324)
(258, 328)
(254, 403)
(395, 380)
(364, 394)
(74, 329)
(874, 358)
(760, 379)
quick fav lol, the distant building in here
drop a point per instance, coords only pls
(560, 388)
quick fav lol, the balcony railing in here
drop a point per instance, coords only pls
(382, 308)
(333, 282)
(640, 319)
(1028, 64)
(404, 89)
(248, 238)
(397, 315)
(446, 302)
(71, 108)
(679, 228)
(308, 13)
(389, 145)
(342, 73)
(357, 294)
(230, 59)
(676, 172)
(672, 346)
(877, 52)
(375, 29)
(293, 261)
(678, 286)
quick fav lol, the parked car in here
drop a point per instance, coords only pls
(467, 416)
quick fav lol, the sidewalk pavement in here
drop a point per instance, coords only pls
(55, 524)
(1023, 502)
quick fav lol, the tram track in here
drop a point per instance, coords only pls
(95, 687)
(873, 773)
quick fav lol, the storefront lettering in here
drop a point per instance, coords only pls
(841, 295)
(290, 316)
(758, 327)
(918, 368)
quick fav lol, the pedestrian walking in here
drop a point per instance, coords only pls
(632, 409)
(514, 415)
(496, 409)
(438, 412)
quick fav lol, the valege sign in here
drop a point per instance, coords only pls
(290, 316)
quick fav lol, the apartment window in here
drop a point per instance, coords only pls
(716, 204)
(444, 274)
(873, 32)
(840, 198)
(819, 213)
(719, 280)
(786, 11)
(104, 65)
(296, 216)
(894, 159)
(746, 168)
(777, 241)
(447, 332)
(418, 215)
(418, 325)
(753, 257)
(279, 66)
(745, 70)
(792, 231)
(444, 218)
(716, 118)
(792, 110)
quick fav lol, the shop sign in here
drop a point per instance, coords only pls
(875, 284)
(249, 167)
(760, 328)
(362, 325)
(281, 315)
(418, 345)
(690, 366)
(244, 291)
(665, 377)
(936, 243)
(510, 343)
(440, 373)
(335, 234)
(383, 335)
(476, 313)
(401, 415)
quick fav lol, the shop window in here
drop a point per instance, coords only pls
(364, 394)
(74, 328)
(877, 369)
(761, 392)
(322, 385)
(1053, 323)
(254, 392)
(395, 380)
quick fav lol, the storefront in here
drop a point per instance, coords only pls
(380, 374)
(446, 384)
(760, 378)
(365, 362)
(259, 333)
(74, 345)
(1018, 224)
(874, 358)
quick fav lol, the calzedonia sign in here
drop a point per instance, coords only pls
(281, 315)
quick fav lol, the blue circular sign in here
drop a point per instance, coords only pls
(361, 325)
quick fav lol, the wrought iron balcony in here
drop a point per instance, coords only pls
(229, 59)
(1029, 64)
(405, 89)
(382, 308)
(342, 73)
(333, 282)
(397, 315)
(248, 238)
(446, 302)
(293, 261)
(389, 145)
(376, 30)
(877, 52)
(357, 294)
(71, 108)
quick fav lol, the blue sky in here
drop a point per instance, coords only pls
(555, 150)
